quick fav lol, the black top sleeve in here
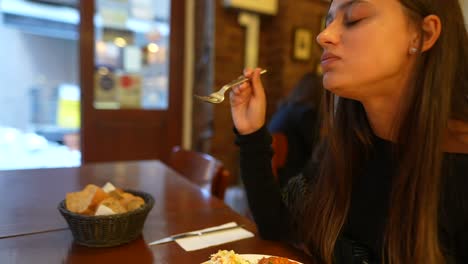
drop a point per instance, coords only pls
(277, 211)
(263, 193)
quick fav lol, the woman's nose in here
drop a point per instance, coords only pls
(329, 36)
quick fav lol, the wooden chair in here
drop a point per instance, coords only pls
(202, 169)
(280, 148)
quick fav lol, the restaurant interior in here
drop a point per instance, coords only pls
(121, 87)
(102, 91)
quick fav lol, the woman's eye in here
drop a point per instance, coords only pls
(356, 13)
(350, 23)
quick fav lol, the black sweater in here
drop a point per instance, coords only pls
(274, 210)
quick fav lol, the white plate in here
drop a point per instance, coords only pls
(254, 258)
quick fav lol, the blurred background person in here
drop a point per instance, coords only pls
(297, 119)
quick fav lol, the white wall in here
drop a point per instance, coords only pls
(26, 58)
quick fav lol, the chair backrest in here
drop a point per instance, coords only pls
(280, 148)
(202, 169)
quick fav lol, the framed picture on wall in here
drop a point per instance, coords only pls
(302, 44)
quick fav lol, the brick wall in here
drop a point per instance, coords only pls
(275, 55)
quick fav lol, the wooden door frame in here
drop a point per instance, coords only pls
(176, 76)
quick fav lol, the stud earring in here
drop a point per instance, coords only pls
(413, 50)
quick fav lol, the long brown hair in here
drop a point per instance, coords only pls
(439, 92)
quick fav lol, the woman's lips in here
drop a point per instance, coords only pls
(328, 59)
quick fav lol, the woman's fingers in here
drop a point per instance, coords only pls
(243, 93)
(244, 87)
(238, 89)
(240, 93)
(257, 83)
(235, 90)
(248, 72)
(248, 103)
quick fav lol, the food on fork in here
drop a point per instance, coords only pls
(109, 200)
(218, 97)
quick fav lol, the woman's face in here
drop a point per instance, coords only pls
(366, 48)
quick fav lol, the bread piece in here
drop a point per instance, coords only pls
(104, 210)
(117, 193)
(125, 198)
(86, 201)
(135, 203)
(131, 202)
(108, 187)
(93, 200)
(97, 194)
(114, 205)
(78, 202)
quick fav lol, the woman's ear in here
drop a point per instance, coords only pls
(431, 27)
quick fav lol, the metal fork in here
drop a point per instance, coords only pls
(218, 97)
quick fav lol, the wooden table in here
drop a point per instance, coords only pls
(33, 231)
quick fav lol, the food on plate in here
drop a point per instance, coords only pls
(275, 260)
(108, 200)
(230, 257)
(226, 257)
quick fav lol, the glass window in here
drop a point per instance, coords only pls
(131, 54)
(39, 94)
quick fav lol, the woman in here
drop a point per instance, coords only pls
(297, 118)
(391, 185)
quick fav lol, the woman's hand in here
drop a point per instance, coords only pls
(248, 103)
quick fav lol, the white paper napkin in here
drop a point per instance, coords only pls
(213, 239)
